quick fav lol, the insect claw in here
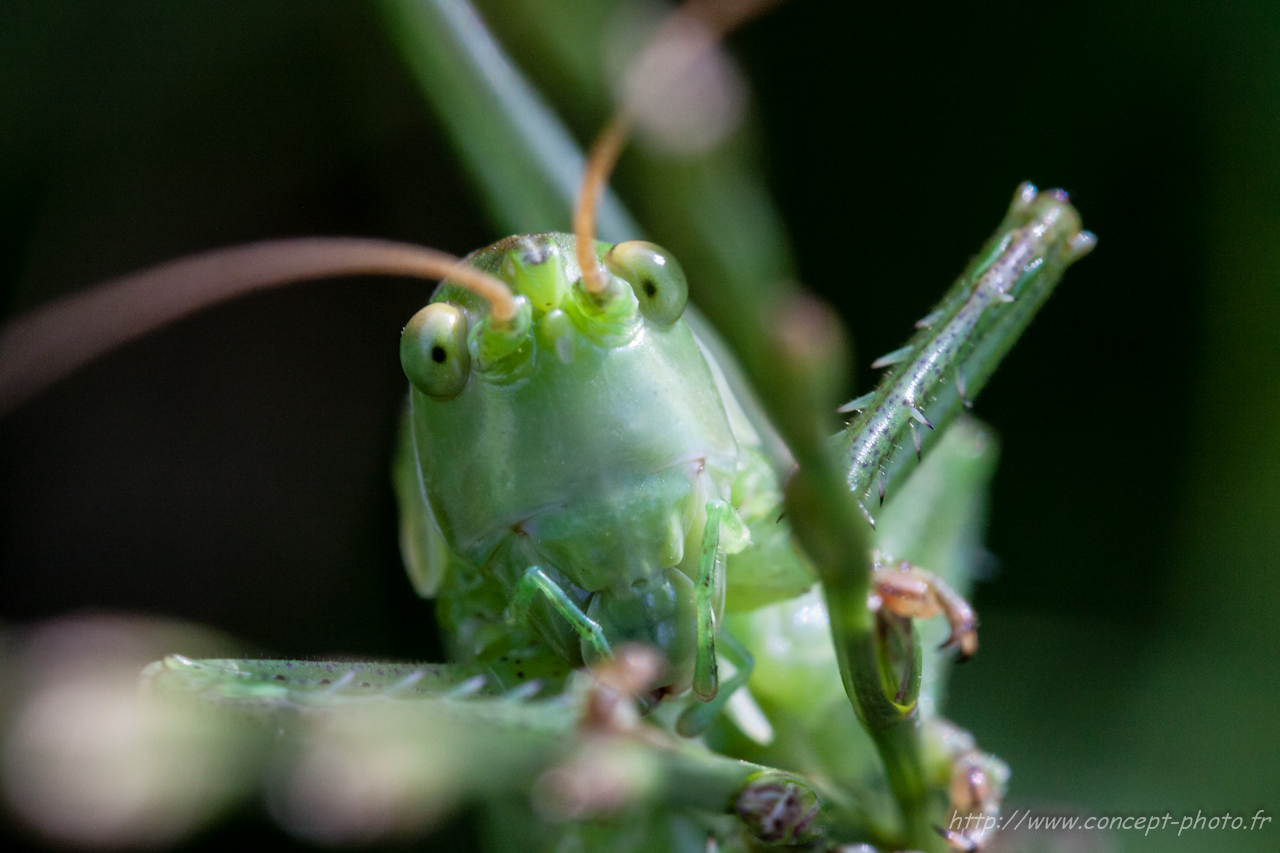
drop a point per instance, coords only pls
(911, 592)
(881, 485)
(954, 642)
(964, 633)
(915, 438)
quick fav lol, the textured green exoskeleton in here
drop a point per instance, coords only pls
(585, 476)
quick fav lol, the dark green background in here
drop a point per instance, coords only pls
(232, 469)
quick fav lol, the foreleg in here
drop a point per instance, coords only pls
(723, 532)
(698, 716)
(535, 580)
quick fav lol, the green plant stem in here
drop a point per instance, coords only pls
(526, 163)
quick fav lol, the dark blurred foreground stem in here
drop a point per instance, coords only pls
(798, 363)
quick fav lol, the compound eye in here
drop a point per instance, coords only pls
(654, 275)
(433, 351)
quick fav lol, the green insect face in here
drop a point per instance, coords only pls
(589, 431)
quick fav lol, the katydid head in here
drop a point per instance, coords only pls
(584, 436)
(589, 388)
(553, 304)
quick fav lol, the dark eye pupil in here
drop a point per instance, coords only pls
(438, 355)
(649, 289)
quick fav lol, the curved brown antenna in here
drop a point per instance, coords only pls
(714, 19)
(604, 154)
(45, 345)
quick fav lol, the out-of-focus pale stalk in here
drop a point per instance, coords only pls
(91, 760)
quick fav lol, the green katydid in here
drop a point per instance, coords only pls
(530, 484)
(587, 332)
(650, 502)
(622, 514)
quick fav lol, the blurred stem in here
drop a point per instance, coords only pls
(826, 518)
(526, 163)
(706, 780)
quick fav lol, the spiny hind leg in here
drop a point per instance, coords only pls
(535, 580)
(909, 591)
